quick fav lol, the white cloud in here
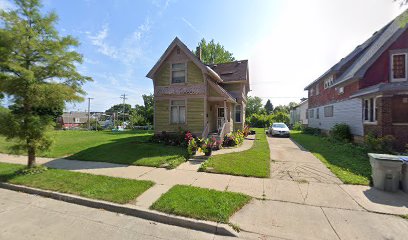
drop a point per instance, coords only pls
(308, 38)
(190, 25)
(129, 51)
(6, 5)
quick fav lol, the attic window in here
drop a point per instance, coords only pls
(399, 67)
(178, 73)
(328, 82)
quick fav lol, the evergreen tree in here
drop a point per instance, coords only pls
(268, 107)
(38, 72)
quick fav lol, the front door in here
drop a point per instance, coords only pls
(220, 118)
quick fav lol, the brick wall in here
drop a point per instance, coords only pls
(330, 95)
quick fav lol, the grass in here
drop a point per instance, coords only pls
(129, 147)
(348, 162)
(118, 190)
(254, 162)
(200, 203)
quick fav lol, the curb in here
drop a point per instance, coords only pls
(131, 210)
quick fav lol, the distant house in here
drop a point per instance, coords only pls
(299, 114)
(367, 89)
(190, 95)
(73, 119)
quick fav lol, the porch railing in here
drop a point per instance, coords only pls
(225, 128)
(206, 130)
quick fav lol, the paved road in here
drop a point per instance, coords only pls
(24, 216)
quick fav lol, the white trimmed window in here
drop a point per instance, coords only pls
(317, 89)
(238, 113)
(178, 73)
(178, 111)
(77, 120)
(317, 113)
(370, 111)
(399, 65)
(328, 82)
(328, 111)
(311, 91)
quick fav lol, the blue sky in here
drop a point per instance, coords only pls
(288, 43)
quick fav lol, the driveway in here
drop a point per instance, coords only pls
(305, 200)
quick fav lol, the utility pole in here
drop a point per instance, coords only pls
(89, 113)
(124, 100)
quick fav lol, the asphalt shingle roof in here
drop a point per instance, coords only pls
(232, 71)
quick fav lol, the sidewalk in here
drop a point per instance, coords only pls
(301, 200)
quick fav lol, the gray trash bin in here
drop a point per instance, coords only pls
(386, 171)
(404, 177)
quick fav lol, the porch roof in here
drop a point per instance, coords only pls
(394, 87)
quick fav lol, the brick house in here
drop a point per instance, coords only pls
(367, 89)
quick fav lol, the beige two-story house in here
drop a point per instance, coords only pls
(190, 95)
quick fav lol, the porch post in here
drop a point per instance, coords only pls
(225, 111)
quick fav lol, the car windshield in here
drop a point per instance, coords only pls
(279, 125)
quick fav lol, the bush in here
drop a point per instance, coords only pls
(233, 139)
(341, 132)
(377, 144)
(298, 126)
(312, 131)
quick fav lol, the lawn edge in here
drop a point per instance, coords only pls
(130, 210)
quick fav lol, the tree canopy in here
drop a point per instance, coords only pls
(213, 53)
(254, 105)
(38, 72)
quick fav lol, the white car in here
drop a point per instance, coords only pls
(279, 129)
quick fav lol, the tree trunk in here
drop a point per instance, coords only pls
(31, 157)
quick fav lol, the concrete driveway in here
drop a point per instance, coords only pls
(305, 200)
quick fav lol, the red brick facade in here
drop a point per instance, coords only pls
(330, 95)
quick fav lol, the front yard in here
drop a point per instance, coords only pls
(348, 162)
(118, 190)
(254, 162)
(200, 203)
(129, 147)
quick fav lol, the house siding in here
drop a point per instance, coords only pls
(380, 71)
(330, 95)
(348, 112)
(194, 116)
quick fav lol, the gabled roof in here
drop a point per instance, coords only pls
(232, 71)
(222, 91)
(355, 65)
(176, 42)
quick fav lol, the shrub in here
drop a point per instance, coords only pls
(312, 131)
(192, 147)
(377, 144)
(246, 130)
(233, 139)
(298, 126)
(341, 132)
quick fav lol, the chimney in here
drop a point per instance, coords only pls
(198, 52)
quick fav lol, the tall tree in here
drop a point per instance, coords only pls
(120, 109)
(254, 105)
(146, 110)
(213, 53)
(268, 107)
(38, 72)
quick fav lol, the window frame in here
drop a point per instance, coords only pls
(317, 89)
(392, 79)
(311, 113)
(370, 110)
(328, 82)
(175, 70)
(178, 107)
(77, 120)
(317, 113)
(240, 113)
(325, 111)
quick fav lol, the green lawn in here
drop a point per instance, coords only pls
(118, 190)
(254, 162)
(200, 203)
(348, 162)
(129, 147)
